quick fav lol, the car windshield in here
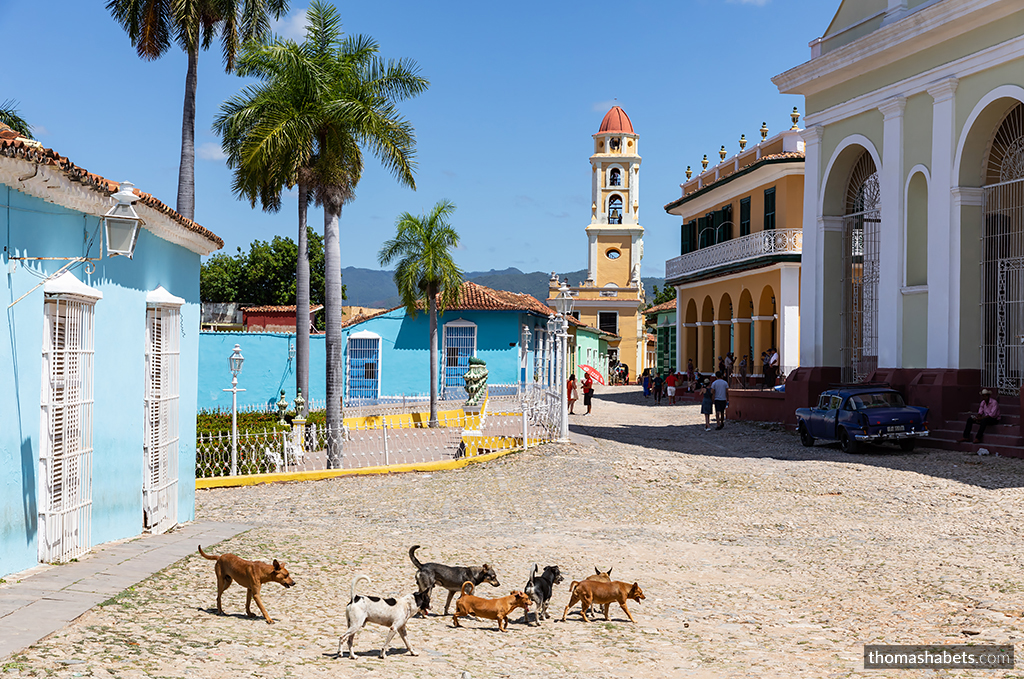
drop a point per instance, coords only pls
(885, 399)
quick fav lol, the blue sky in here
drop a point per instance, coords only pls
(517, 90)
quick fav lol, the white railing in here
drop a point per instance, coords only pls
(508, 420)
(767, 242)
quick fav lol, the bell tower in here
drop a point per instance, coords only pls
(613, 294)
(614, 234)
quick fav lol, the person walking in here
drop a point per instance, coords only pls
(720, 391)
(659, 385)
(670, 387)
(764, 369)
(588, 392)
(572, 393)
(690, 384)
(707, 404)
(773, 365)
(646, 380)
(988, 413)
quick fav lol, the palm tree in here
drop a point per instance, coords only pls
(10, 117)
(426, 272)
(318, 105)
(153, 24)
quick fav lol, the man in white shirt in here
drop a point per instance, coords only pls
(773, 362)
(721, 389)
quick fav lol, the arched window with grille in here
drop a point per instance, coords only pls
(615, 177)
(615, 210)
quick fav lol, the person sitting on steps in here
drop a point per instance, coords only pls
(988, 414)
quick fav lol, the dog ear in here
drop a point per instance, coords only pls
(609, 572)
(597, 571)
(277, 565)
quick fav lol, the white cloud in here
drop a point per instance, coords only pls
(292, 26)
(40, 131)
(757, 3)
(605, 106)
(210, 151)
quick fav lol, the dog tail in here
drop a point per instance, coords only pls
(412, 555)
(572, 587)
(355, 582)
(529, 579)
(471, 588)
(211, 558)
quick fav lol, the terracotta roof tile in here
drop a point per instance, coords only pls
(616, 120)
(34, 152)
(664, 306)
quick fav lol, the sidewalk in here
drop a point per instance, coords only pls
(46, 598)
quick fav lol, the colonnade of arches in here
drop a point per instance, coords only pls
(744, 323)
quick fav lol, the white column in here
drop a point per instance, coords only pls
(890, 258)
(943, 296)
(789, 316)
(680, 333)
(812, 256)
(592, 258)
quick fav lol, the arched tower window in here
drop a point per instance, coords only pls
(615, 177)
(615, 210)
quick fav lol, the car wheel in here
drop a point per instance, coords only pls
(907, 445)
(847, 442)
(805, 438)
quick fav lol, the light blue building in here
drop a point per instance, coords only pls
(387, 355)
(98, 359)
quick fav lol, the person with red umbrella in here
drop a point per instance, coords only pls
(588, 392)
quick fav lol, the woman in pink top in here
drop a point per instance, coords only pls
(988, 413)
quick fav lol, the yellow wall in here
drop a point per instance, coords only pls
(789, 196)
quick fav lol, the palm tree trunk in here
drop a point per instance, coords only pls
(333, 302)
(432, 306)
(187, 167)
(302, 305)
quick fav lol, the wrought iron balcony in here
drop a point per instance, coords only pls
(750, 247)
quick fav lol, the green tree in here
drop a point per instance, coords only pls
(152, 25)
(666, 294)
(10, 117)
(426, 272)
(221, 277)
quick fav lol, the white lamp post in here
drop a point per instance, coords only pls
(563, 303)
(235, 363)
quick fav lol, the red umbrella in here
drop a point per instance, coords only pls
(594, 373)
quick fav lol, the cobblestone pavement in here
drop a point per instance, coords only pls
(758, 558)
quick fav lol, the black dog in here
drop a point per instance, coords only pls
(450, 577)
(539, 588)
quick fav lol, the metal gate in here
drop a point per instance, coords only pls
(459, 344)
(861, 231)
(65, 513)
(160, 438)
(363, 368)
(1002, 287)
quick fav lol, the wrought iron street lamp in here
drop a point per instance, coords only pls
(121, 223)
(235, 361)
(563, 303)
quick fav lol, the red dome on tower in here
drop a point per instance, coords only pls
(616, 120)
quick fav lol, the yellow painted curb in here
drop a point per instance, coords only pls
(440, 465)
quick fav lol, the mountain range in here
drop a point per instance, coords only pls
(374, 288)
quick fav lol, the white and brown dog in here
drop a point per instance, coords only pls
(390, 613)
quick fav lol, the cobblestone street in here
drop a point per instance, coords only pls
(758, 557)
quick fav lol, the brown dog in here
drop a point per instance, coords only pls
(591, 592)
(248, 574)
(493, 609)
(598, 576)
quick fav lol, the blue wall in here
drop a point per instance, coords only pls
(404, 361)
(30, 227)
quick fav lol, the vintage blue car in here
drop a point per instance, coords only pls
(862, 414)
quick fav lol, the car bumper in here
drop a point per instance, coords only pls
(893, 436)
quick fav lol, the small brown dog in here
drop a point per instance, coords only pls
(493, 609)
(248, 574)
(591, 592)
(598, 576)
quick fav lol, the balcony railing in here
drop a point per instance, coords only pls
(760, 244)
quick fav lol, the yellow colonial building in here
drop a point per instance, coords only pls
(612, 296)
(737, 277)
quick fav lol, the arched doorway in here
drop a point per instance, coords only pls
(1002, 257)
(861, 222)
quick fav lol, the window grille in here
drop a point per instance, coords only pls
(66, 420)
(459, 344)
(861, 271)
(160, 438)
(745, 216)
(608, 321)
(615, 177)
(363, 368)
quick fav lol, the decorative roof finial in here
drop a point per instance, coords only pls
(764, 131)
(704, 162)
(722, 152)
(795, 115)
(689, 172)
(743, 141)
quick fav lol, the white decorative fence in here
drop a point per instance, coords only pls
(767, 242)
(389, 435)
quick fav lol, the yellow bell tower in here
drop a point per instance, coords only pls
(613, 294)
